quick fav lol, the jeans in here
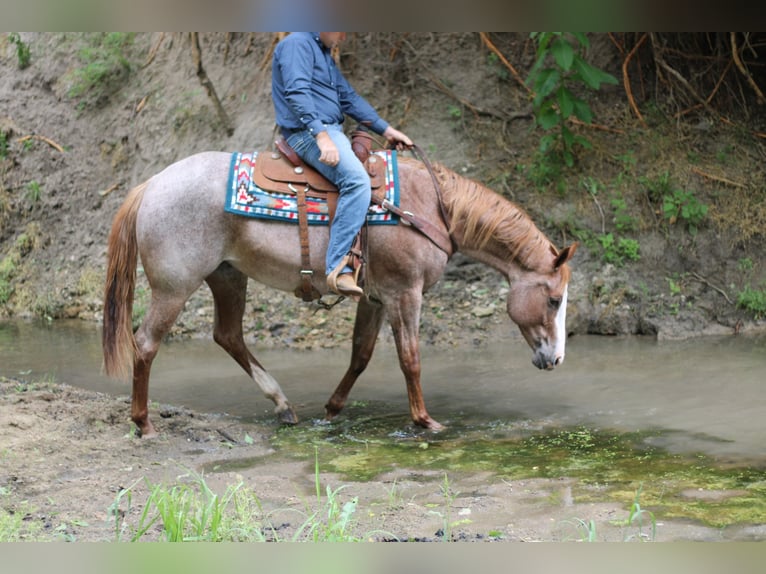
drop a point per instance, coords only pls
(353, 184)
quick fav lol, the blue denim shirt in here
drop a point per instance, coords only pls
(309, 90)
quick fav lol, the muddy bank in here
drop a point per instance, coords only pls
(69, 455)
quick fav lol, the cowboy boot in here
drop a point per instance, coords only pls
(344, 283)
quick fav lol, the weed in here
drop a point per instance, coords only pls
(449, 495)
(104, 69)
(585, 531)
(623, 221)
(543, 171)
(677, 204)
(628, 161)
(395, 496)
(185, 513)
(33, 191)
(7, 271)
(675, 287)
(3, 145)
(338, 520)
(618, 250)
(455, 112)
(634, 526)
(753, 301)
(636, 522)
(23, 55)
(681, 204)
(745, 264)
(15, 526)
(658, 187)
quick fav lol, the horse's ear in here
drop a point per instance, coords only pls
(565, 255)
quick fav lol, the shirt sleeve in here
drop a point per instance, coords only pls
(296, 64)
(356, 107)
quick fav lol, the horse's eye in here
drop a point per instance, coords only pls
(554, 302)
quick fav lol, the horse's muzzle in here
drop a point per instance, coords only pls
(545, 362)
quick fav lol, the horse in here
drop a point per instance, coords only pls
(208, 244)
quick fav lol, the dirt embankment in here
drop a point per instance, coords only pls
(76, 138)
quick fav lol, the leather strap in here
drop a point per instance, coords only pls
(440, 199)
(307, 292)
(438, 237)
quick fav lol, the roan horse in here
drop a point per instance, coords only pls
(223, 249)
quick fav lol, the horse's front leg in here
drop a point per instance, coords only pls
(369, 317)
(405, 323)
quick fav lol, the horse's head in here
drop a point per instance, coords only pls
(537, 303)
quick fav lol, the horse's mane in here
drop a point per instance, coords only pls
(485, 216)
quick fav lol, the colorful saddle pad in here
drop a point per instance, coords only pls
(243, 197)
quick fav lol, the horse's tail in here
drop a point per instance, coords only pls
(117, 341)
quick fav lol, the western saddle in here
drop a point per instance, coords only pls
(283, 171)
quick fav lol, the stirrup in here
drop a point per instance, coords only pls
(332, 280)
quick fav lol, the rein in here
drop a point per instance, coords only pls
(442, 209)
(442, 240)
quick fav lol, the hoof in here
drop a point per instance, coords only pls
(146, 431)
(431, 425)
(288, 417)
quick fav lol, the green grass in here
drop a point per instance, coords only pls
(753, 301)
(640, 525)
(105, 67)
(13, 524)
(193, 512)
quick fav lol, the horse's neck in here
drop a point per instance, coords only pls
(505, 258)
(494, 231)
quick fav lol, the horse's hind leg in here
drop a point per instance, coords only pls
(229, 287)
(163, 311)
(369, 317)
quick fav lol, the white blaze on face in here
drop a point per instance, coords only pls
(561, 328)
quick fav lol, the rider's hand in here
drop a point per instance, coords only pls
(329, 152)
(397, 138)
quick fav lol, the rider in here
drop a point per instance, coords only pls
(310, 97)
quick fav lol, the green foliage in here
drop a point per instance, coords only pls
(34, 192)
(186, 513)
(558, 72)
(7, 271)
(746, 264)
(623, 220)
(494, 64)
(637, 521)
(449, 495)
(681, 204)
(3, 145)
(617, 251)
(753, 301)
(635, 527)
(15, 526)
(105, 67)
(191, 511)
(677, 204)
(657, 187)
(23, 54)
(543, 171)
(338, 520)
(614, 249)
